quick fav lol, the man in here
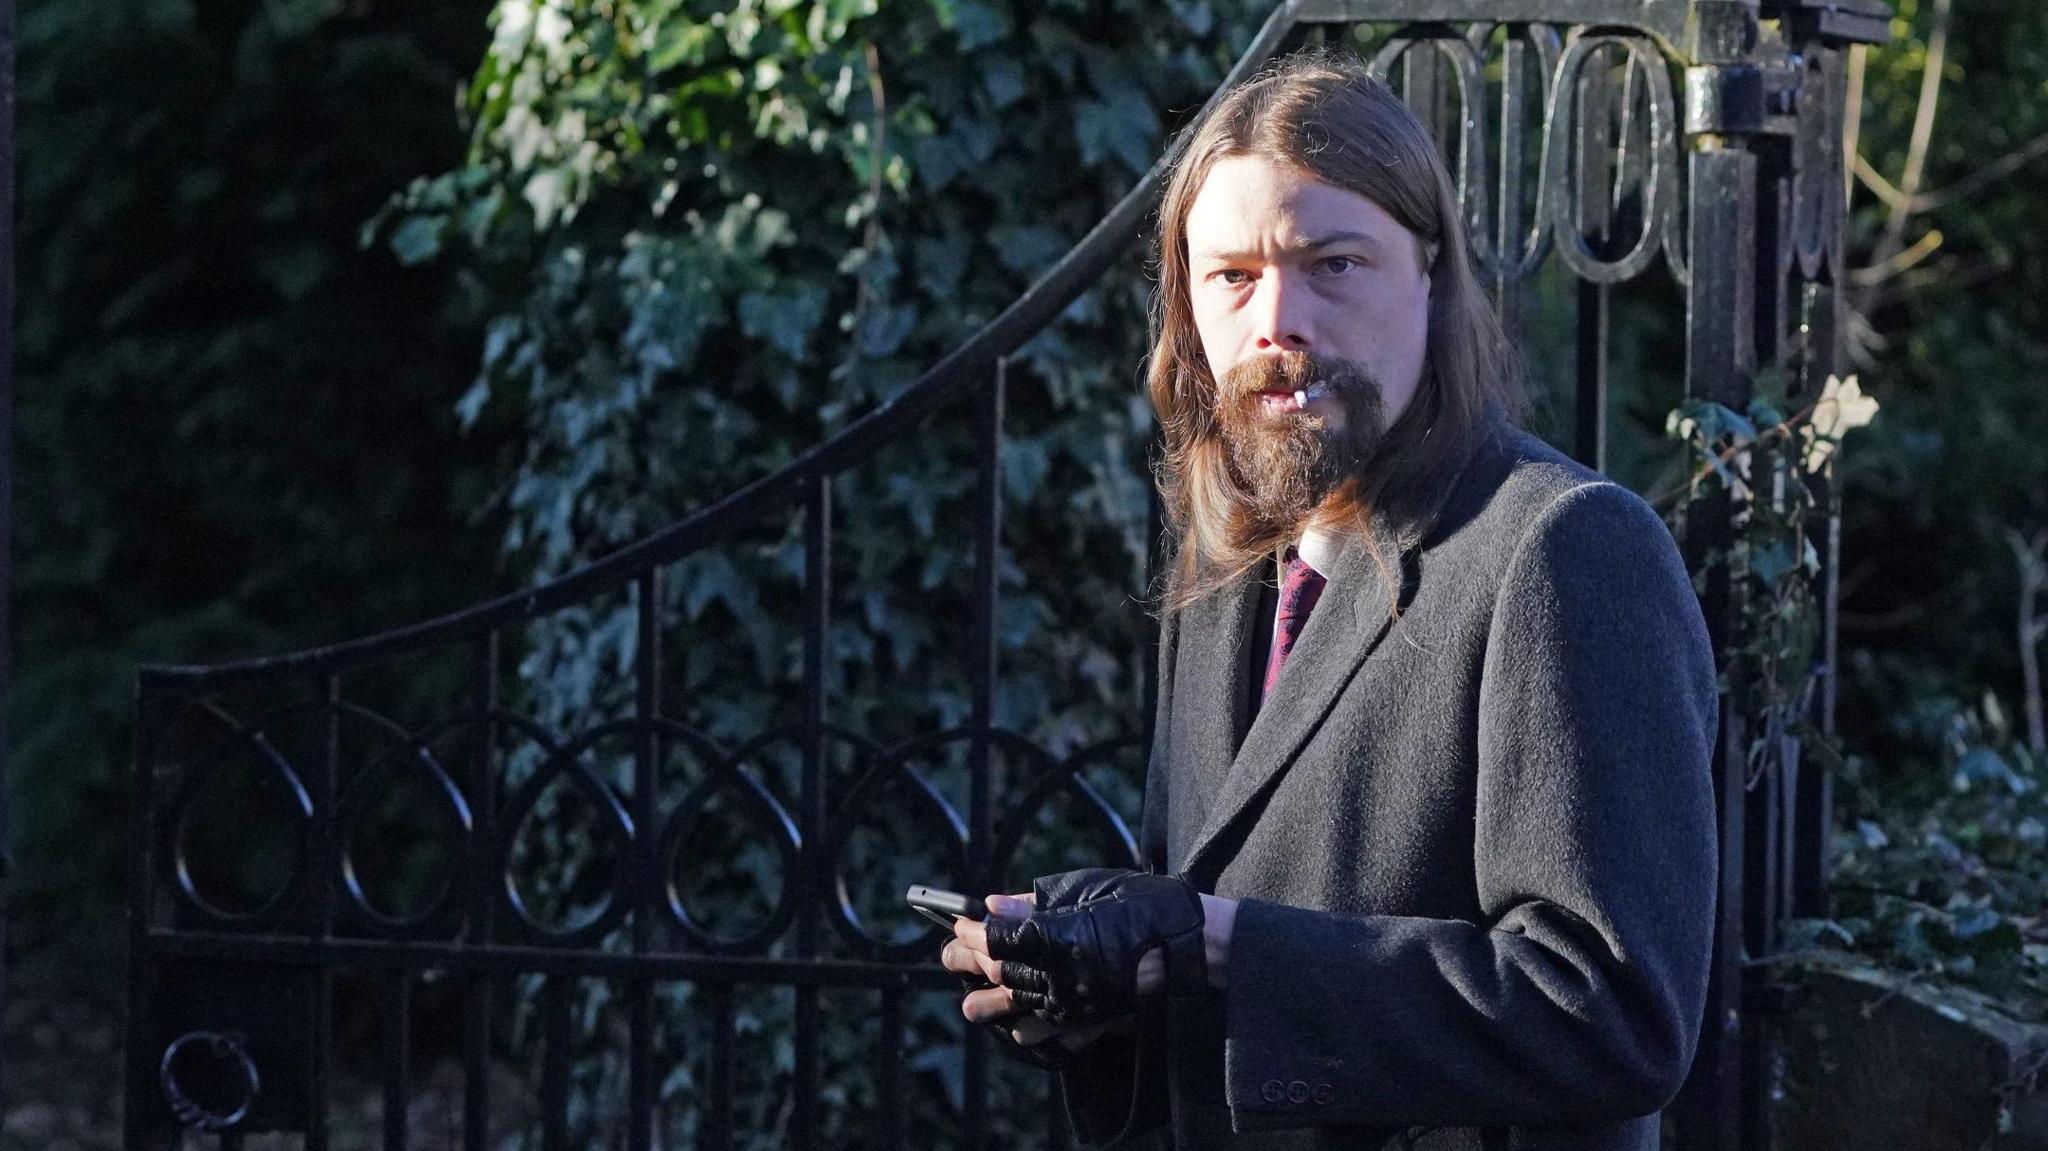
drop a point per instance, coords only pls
(1428, 833)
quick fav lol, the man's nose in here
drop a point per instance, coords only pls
(1280, 314)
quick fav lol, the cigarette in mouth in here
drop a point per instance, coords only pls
(1312, 392)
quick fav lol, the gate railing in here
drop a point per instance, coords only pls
(1704, 133)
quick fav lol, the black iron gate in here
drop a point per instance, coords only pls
(1701, 141)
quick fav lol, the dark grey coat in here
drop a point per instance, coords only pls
(1474, 848)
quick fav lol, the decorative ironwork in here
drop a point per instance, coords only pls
(1748, 220)
(209, 1080)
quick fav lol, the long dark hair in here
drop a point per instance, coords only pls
(1329, 116)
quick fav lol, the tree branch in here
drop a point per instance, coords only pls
(871, 236)
(1984, 177)
(1878, 273)
(1923, 131)
(2032, 555)
(2009, 164)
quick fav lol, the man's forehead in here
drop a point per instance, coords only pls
(1290, 241)
(1251, 204)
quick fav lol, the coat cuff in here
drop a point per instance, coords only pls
(1272, 1084)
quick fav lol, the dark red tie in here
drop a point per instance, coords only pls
(1300, 587)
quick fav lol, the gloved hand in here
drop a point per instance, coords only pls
(1049, 1054)
(1075, 959)
(1020, 1033)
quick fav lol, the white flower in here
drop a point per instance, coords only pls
(551, 28)
(1842, 408)
(515, 24)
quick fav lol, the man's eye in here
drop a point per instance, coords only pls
(1338, 265)
(1227, 274)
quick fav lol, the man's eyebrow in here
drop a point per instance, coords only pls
(1297, 248)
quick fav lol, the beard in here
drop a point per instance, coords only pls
(1288, 462)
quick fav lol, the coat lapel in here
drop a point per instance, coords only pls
(1336, 640)
(1216, 691)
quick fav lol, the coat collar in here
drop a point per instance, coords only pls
(1333, 645)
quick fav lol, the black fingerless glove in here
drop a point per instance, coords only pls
(1075, 960)
(1048, 1054)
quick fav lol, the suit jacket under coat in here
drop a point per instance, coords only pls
(1474, 847)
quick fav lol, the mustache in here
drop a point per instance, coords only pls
(1297, 372)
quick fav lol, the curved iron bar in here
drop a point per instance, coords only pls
(1067, 775)
(614, 826)
(1671, 161)
(1531, 247)
(1660, 184)
(441, 913)
(1817, 197)
(864, 749)
(1471, 169)
(196, 777)
(847, 921)
(201, 773)
(484, 854)
(178, 825)
(230, 1050)
(1668, 22)
(772, 817)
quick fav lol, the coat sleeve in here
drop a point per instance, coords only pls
(1576, 996)
(1115, 1088)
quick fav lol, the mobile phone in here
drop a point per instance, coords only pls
(937, 904)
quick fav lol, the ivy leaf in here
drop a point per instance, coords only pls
(785, 319)
(471, 405)
(1771, 562)
(1975, 921)
(1985, 765)
(979, 24)
(1027, 249)
(1002, 77)
(419, 239)
(1124, 126)
(937, 161)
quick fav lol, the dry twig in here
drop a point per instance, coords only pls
(2032, 554)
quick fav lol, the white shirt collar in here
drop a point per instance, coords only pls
(1318, 549)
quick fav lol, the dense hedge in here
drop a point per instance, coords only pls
(1941, 859)
(723, 231)
(717, 233)
(233, 426)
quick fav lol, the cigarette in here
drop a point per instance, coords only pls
(1300, 398)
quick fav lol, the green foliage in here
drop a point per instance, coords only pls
(714, 235)
(1945, 884)
(720, 233)
(233, 429)
(1961, 364)
(1941, 871)
(1769, 464)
